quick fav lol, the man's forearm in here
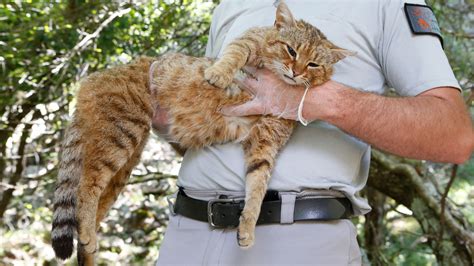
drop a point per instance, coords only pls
(422, 127)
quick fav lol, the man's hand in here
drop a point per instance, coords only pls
(271, 96)
(160, 122)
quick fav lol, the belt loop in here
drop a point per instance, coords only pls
(287, 207)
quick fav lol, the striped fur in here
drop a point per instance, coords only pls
(101, 146)
(115, 109)
(64, 216)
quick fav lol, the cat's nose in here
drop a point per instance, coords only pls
(295, 74)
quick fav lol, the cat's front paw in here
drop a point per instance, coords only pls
(246, 232)
(88, 241)
(217, 77)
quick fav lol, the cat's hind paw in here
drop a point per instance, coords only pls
(246, 233)
(217, 77)
(88, 241)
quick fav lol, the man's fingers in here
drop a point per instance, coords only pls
(248, 108)
(249, 70)
(248, 84)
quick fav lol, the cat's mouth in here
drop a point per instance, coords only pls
(288, 78)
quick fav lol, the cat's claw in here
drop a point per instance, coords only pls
(215, 76)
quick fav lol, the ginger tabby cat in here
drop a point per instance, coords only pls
(115, 107)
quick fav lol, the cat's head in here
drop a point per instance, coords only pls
(298, 52)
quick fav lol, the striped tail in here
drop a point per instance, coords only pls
(64, 216)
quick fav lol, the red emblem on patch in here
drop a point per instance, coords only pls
(423, 24)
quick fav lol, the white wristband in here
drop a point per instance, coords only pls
(300, 109)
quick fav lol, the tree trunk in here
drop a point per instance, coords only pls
(401, 182)
(374, 227)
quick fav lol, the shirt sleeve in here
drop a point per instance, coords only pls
(412, 63)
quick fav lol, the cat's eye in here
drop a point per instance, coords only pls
(291, 51)
(313, 64)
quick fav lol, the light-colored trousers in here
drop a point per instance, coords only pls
(191, 242)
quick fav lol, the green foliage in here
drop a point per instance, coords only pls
(462, 193)
(406, 244)
(45, 48)
(456, 23)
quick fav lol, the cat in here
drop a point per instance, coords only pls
(115, 108)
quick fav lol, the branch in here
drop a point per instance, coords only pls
(65, 60)
(458, 34)
(188, 44)
(443, 201)
(8, 193)
(151, 177)
(422, 191)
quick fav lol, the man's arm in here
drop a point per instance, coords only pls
(434, 125)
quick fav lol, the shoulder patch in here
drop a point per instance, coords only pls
(422, 20)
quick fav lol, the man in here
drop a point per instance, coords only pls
(329, 158)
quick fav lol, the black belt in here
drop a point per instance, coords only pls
(224, 212)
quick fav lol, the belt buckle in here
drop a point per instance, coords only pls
(209, 210)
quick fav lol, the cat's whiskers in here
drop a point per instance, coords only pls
(280, 67)
(306, 83)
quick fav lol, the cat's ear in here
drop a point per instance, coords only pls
(284, 18)
(338, 53)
